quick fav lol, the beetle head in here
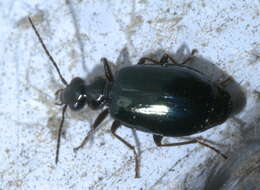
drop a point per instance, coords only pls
(74, 94)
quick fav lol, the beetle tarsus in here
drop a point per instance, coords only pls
(59, 133)
(100, 118)
(114, 127)
(165, 58)
(212, 148)
(158, 142)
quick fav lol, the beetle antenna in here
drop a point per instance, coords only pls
(59, 134)
(47, 52)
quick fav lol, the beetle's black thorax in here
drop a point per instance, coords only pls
(97, 92)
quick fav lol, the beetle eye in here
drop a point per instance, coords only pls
(79, 104)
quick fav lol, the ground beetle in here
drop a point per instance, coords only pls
(160, 97)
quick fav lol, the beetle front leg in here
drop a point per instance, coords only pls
(158, 141)
(107, 69)
(114, 127)
(101, 117)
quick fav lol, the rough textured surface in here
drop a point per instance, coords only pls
(78, 34)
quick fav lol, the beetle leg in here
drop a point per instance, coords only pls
(114, 127)
(165, 58)
(107, 69)
(193, 52)
(158, 142)
(101, 117)
(162, 61)
(144, 59)
(224, 82)
(59, 133)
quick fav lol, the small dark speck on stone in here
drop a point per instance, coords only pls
(7, 150)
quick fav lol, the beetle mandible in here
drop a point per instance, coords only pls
(163, 98)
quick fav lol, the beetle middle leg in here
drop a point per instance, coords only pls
(114, 127)
(101, 117)
(158, 142)
(165, 58)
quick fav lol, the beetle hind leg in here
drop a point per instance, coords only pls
(114, 127)
(165, 58)
(193, 52)
(158, 142)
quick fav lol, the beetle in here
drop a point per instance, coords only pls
(159, 97)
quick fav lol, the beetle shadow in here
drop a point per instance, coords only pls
(241, 170)
(210, 69)
(244, 159)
